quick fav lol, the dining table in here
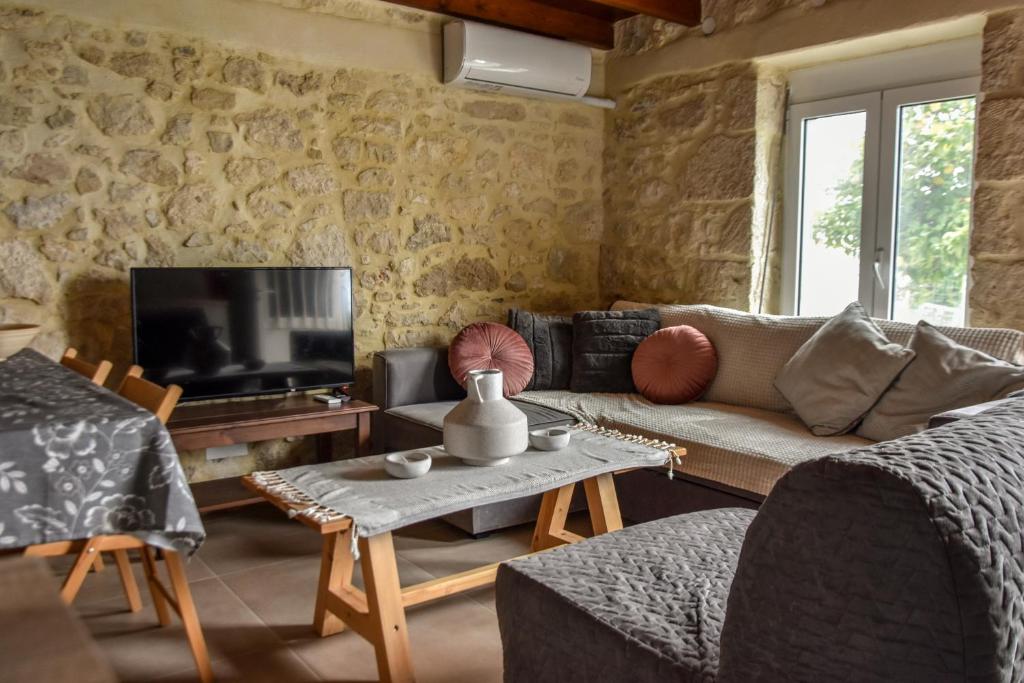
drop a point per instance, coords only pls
(78, 461)
(85, 471)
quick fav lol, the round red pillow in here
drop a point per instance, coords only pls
(674, 365)
(490, 346)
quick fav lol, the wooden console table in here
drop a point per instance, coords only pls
(209, 425)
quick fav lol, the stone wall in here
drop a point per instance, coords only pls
(123, 147)
(641, 33)
(682, 162)
(997, 239)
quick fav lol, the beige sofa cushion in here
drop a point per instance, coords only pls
(944, 376)
(753, 348)
(834, 379)
(743, 448)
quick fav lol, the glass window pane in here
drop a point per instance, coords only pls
(830, 218)
(933, 213)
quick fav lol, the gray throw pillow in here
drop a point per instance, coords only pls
(603, 343)
(840, 372)
(944, 375)
(550, 339)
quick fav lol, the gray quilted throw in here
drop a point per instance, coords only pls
(77, 461)
(902, 561)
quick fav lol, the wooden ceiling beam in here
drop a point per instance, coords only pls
(685, 12)
(527, 15)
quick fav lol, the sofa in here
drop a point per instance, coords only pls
(742, 436)
(898, 561)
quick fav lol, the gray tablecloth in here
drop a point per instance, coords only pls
(77, 461)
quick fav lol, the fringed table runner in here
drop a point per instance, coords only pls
(361, 490)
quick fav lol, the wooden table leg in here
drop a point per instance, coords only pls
(550, 530)
(390, 634)
(362, 435)
(189, 617)
(336, 566)
(603, 503)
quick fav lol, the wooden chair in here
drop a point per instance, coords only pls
(156, 399)
(97, 374)
(161, 402)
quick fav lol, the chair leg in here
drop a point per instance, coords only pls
(97, 565)
(131, 588)
(189, 617)
(83, 563)
(163, 615)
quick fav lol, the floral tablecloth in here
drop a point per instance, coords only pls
(77, 461)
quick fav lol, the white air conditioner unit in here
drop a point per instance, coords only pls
(495, 59)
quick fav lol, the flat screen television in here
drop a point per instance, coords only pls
(227, 332)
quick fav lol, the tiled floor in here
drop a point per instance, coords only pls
(254, 581)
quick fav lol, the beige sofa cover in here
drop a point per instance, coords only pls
(742, 433)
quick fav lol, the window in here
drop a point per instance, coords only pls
(878, 203)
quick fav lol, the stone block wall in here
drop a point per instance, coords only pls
(641, 33)
(997, 239)
(682, 161)
(122, 147)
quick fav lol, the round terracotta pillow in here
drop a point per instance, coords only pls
(490, 346)
(674, 365)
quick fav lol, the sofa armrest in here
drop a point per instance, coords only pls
(403, 377)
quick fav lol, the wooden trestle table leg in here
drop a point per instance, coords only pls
(603, 503)
(336, 565)
(389, 633)
(554, 509)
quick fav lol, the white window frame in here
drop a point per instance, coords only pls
(881, 179)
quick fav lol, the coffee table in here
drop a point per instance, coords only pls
(376, 505)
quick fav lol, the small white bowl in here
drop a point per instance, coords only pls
(550, 439)
(407, 465)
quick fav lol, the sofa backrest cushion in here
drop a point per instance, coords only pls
(753, 348)
(603, 343)
(899, 561)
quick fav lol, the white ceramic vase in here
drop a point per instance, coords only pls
(486, 428)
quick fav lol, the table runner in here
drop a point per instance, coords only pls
(359, 488)
(77, 461)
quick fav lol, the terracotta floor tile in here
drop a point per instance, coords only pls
(279, 665)
(140, 649)
(254, 581)
(452, 641)
(106, 585)
(283, 594)
(254, 536)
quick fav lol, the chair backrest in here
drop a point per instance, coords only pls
(157, 399)
(899, 561)
(96, 373)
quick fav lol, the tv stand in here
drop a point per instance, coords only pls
(195, 427)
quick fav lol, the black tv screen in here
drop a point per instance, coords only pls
(224, 332)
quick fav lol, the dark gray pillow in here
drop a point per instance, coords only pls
(550, 339)
(603, 343)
